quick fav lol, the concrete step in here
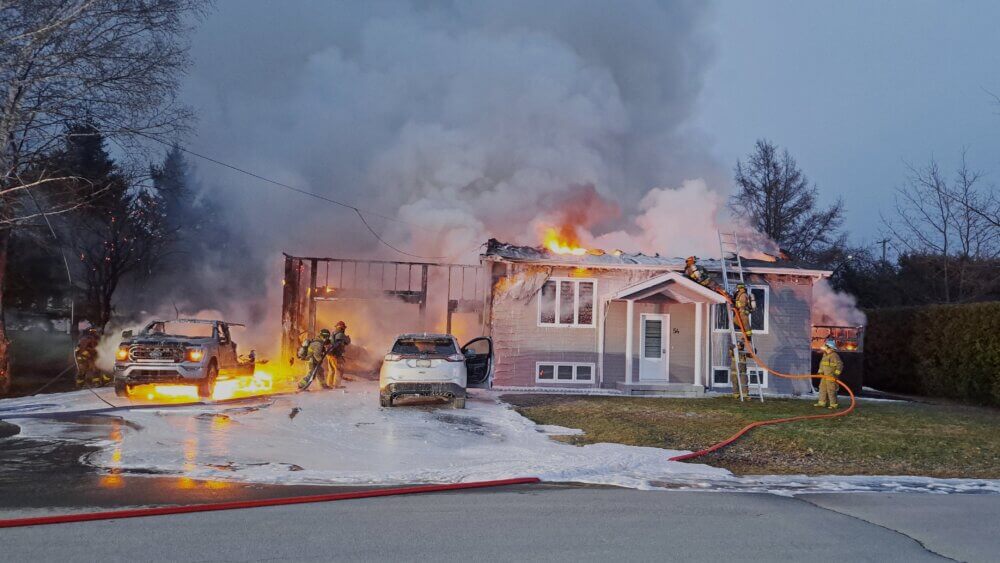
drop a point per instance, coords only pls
(680, 390)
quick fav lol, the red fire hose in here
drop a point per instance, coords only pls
(161, 511)
(749, 427)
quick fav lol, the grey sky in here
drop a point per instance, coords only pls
(479, 115)
(856, 89)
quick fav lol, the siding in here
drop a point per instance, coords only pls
(785, 347)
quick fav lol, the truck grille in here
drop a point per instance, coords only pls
(156, 353)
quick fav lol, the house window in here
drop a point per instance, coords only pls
(759, 319)
(755, 375)
(566, 302)
(564, 372)
(720, 376)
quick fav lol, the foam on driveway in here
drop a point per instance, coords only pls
(343, 437)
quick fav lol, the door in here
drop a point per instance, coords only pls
(479, 361)
(654, 337)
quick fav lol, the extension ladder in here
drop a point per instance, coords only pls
(732, 275)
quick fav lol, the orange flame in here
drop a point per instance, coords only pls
(260, 383)
(562, 241)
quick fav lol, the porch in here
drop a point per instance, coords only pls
(656, 338)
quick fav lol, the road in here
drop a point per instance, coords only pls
(547, 523)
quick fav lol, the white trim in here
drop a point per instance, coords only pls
(767, 312)
(683, 281)
(729, 376)
(664, 358)
(576, 303)
(555, 372)
(661, 267)
(698, 340)
(629, 320)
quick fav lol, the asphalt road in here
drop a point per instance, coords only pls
(546, 523)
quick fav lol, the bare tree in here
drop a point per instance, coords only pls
(777, 199)
(948, 223)
(114, 63)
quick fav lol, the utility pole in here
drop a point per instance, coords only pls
(884, 242)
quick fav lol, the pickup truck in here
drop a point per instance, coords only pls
(180, 351)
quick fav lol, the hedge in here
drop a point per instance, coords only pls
(950, 351)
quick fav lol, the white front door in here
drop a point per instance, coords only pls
(654, 341)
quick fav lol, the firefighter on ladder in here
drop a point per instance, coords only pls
(700, 276)
(830, 368)
(744, 305)
(739, 371)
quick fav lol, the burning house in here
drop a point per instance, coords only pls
(564, 317)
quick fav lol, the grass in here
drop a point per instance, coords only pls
(879, 438)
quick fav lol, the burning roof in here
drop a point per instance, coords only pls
(497, 250)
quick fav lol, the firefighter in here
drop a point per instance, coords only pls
(315, 352)
(744, 305)
(830, 366)
(739, 376)
(338, 345)
(699, 275)
(87, 372)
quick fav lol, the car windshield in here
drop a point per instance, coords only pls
(434, 346)
(176, 328)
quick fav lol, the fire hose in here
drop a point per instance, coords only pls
(739, 321)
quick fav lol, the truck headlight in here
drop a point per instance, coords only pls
(195, 354)
(122, 353)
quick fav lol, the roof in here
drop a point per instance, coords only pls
(500, 251)
(666, 283)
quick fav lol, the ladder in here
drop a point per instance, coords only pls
(732, 275)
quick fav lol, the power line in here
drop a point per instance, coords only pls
(357, 210)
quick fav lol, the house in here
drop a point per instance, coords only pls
(635, 324)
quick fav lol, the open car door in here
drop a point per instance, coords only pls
(479, 361)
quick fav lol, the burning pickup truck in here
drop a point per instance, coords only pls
(181, 351)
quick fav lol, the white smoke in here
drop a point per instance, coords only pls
(834, 308)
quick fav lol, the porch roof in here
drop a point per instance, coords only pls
(672, 284)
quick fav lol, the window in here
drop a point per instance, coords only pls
(564, 372)
(720, 376)
(566, 302)
(759, 319)
(754, 375)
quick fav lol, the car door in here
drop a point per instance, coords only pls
(227, 348)
(478, 354)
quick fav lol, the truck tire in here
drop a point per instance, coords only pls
(385, 401)
(121, 389)
(207, 385)
(458, 403)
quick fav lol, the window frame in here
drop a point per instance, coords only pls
(766, 305)
(555, 372)
(576, 303)
(729, 375)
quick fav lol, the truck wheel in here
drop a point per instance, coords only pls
(385, 401)
(121, 389)
(458, 403)
(207, 385)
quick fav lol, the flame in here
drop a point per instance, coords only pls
(562, 241)
(234, 387)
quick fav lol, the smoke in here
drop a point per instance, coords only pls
(461, 120)
(831, 307)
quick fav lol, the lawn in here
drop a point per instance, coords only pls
(879, 438)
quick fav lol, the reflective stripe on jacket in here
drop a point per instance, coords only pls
(831, 364)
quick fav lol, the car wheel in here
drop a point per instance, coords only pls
(121, 389)
(385, 401)
(458, 402)
(207, 385)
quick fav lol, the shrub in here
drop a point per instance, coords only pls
(950, 351)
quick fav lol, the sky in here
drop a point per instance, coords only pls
(466, 120)
(855, 91)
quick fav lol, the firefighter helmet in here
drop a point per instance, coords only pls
(325, 333)
(690, 259)
(830, 343)
(740, 286)
(341, 325)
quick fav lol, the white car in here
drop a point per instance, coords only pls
(433, 365)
